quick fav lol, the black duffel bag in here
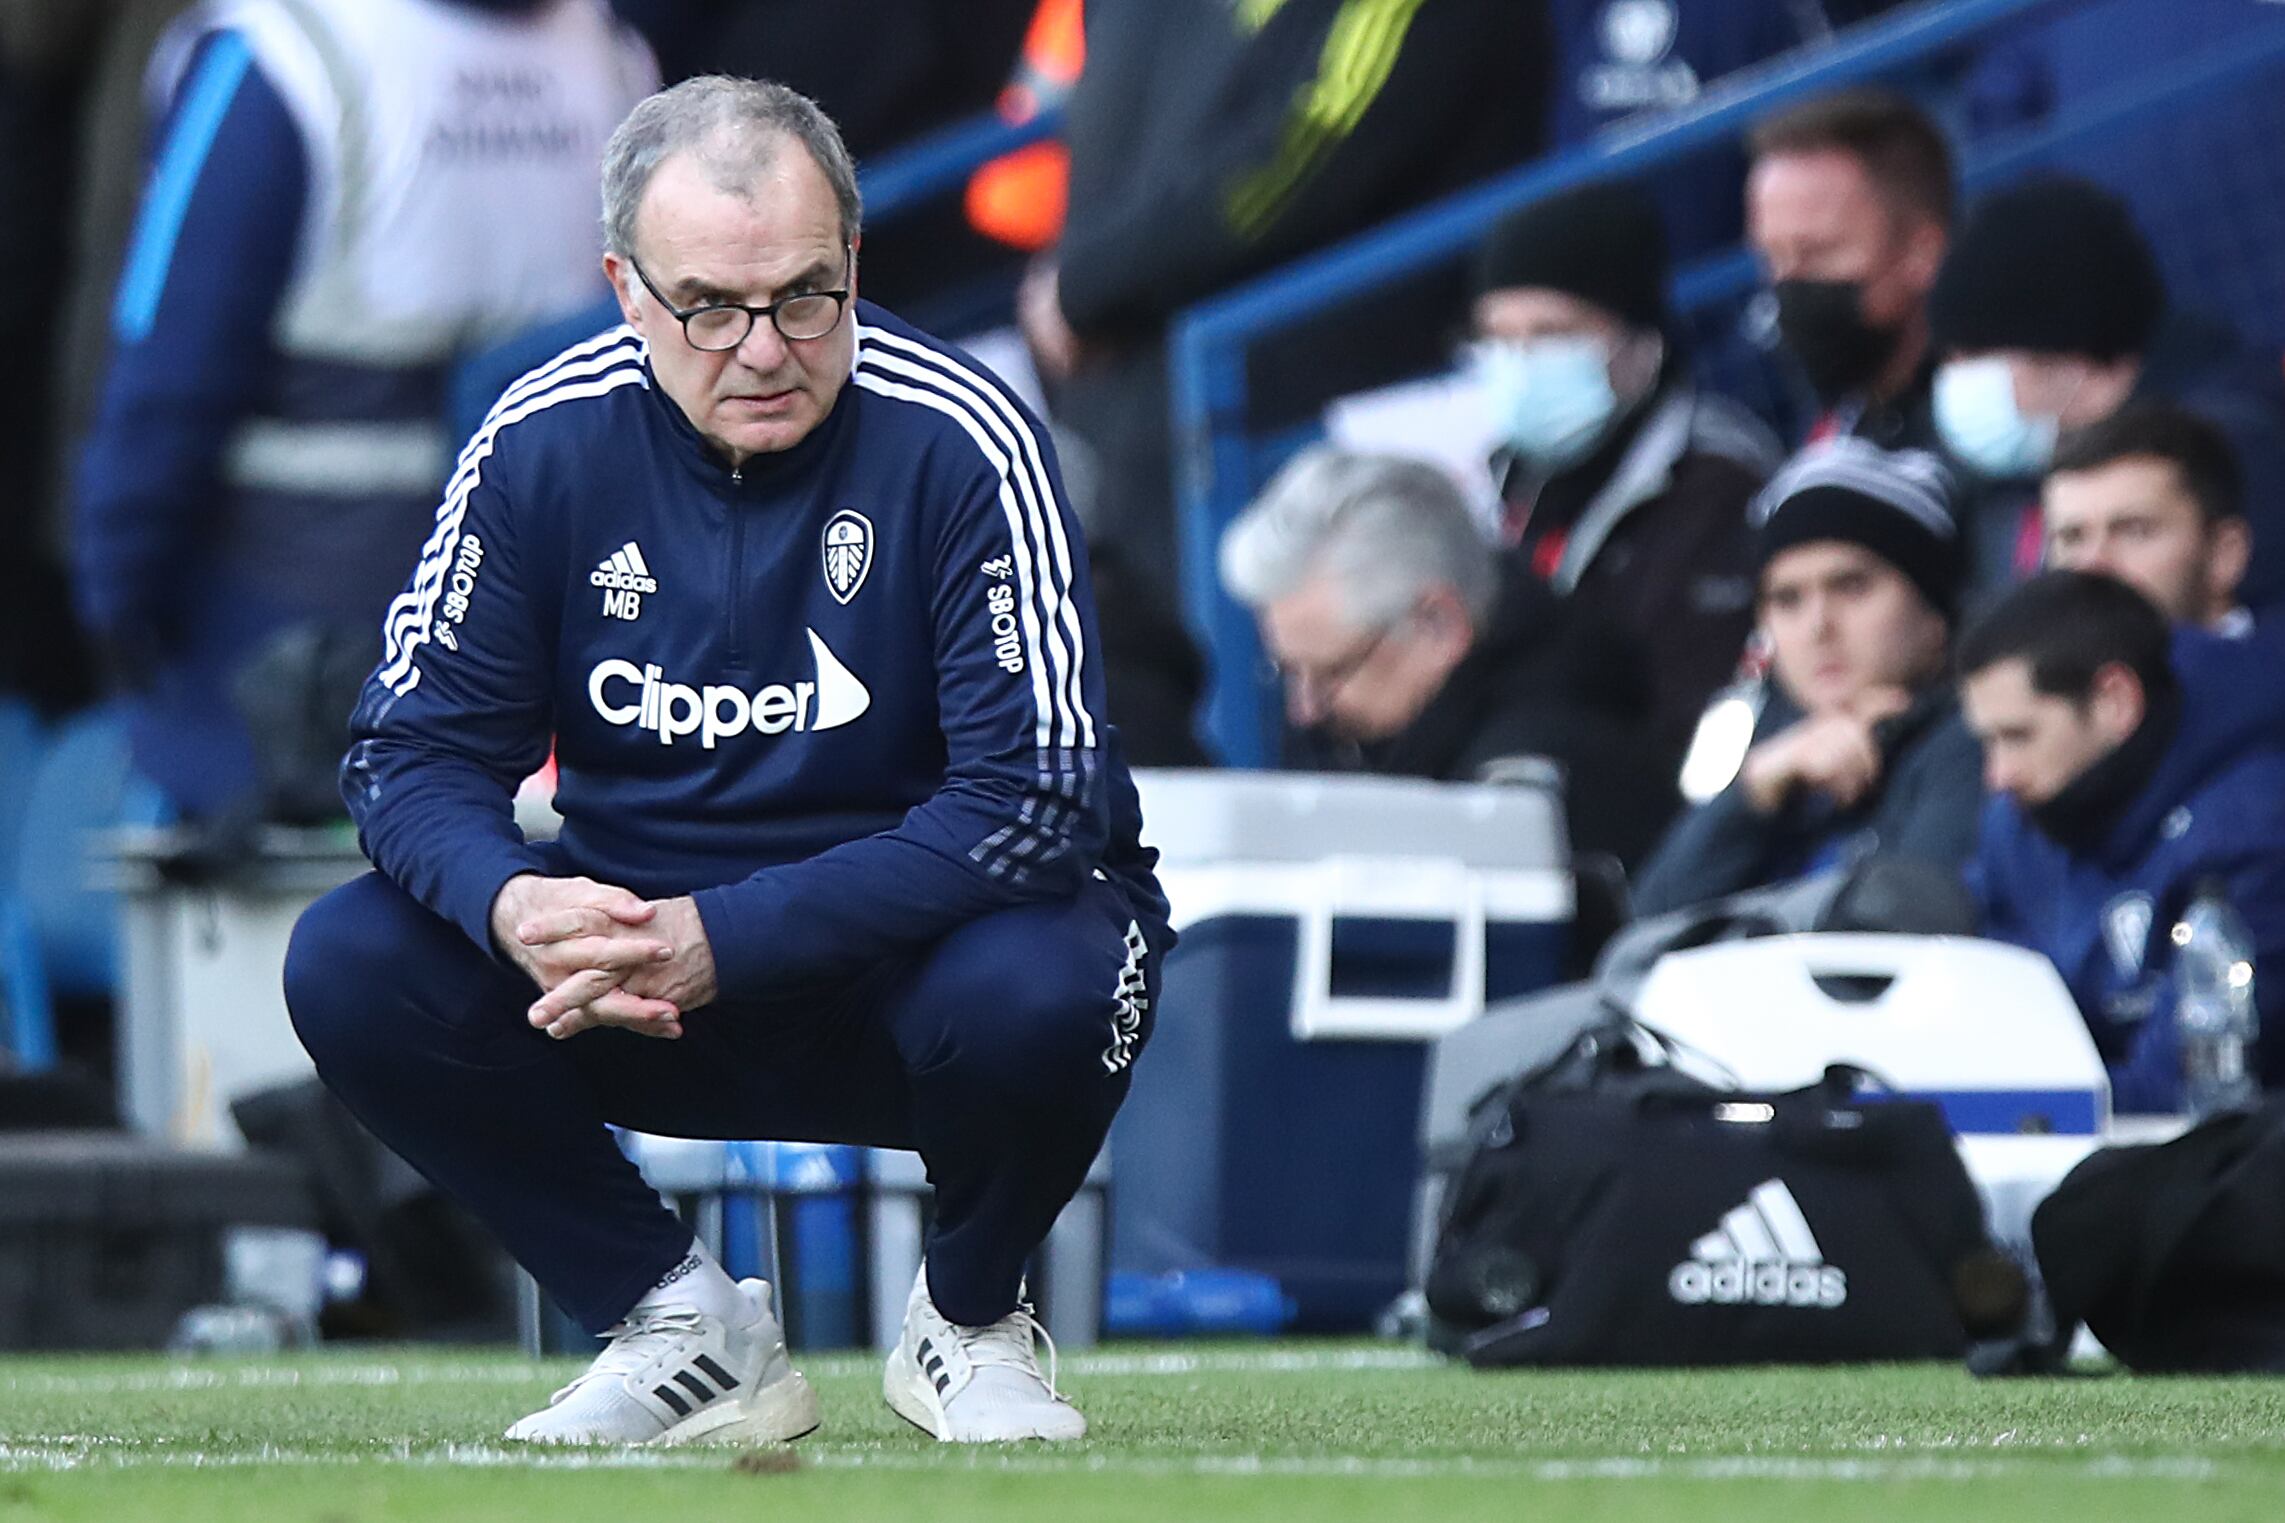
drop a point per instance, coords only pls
(1616, 1212)
(2174, 1254)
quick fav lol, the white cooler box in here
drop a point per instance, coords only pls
(1985, 1030)
(1330, 926)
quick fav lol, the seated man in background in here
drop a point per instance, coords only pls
(1622, 486)
(2152, 495)
(2052, 315)
(1409, 647)
(1849, 208)
(1861, 747)
(2123, 783)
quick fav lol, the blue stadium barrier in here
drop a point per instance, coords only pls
(1221, 463)
(934, 166)
(58, 929)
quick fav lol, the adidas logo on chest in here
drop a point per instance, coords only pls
(626, 580)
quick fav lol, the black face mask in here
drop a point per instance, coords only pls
(1822, 325)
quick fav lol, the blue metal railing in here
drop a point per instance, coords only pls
(921, 171)
(1732, 273)
(1209, 343)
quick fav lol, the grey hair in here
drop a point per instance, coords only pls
(735, 127)
(1387, 528)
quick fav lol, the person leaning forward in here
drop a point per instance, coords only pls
(848, 854)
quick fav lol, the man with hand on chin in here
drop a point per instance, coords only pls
(1860, 748)
(848, 854)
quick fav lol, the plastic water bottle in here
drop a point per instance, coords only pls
(232, 1328)
(2214, 1011)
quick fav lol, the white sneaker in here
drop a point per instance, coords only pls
(675, 1375)
(975, 1385)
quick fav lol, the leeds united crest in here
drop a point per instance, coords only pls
(848, 549)
(2126, 931)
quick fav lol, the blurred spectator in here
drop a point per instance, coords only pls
(1849, 204)
(2122, 784)
(886, 70)
(1212, 141)
(1861, 748)
(1408, 646)
(73, 137)
(2052, 315)
(1622, 485)
(2151, 495)
(347, 194)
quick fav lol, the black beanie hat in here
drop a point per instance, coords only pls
(1895, 503)
(1602, 243)
(2053, 265)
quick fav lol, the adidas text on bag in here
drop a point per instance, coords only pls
(1762, 1254)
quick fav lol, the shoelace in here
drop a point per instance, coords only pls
(1011, 1343)
(634, 1341)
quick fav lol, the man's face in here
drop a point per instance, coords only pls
(702, 245)
(1818, 216)
(2036, 744)
(1525, 314)
(2135, 520)
(2056, 386)
(1360, 682)
(1843, 623)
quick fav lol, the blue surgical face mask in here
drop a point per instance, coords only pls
(1551, 398)
(1977, 415)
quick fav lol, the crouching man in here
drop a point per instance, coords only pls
(848, 853)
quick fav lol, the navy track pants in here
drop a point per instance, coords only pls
(999, 1053)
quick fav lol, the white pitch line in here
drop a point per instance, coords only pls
(90, 1454)
(226, 1377)
(1269, 1362)
(275, 1377)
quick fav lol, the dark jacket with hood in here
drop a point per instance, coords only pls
(1923, 807)
(1647, 538)
(2199, 793)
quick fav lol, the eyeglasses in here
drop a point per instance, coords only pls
(721, 326)
(1317, 683)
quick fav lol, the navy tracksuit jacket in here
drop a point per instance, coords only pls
(2215, 807)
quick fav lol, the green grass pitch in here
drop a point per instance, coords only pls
(1318, 1432)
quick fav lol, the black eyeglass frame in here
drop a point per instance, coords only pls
(684, 316)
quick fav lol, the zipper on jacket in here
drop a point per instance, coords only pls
(737, 587)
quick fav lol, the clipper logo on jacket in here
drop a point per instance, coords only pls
(643, 696)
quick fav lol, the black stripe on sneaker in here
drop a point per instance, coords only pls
(941, 1382)
(720, 1376)
(696, 1387)
(666, 1394)
(935, 1363)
